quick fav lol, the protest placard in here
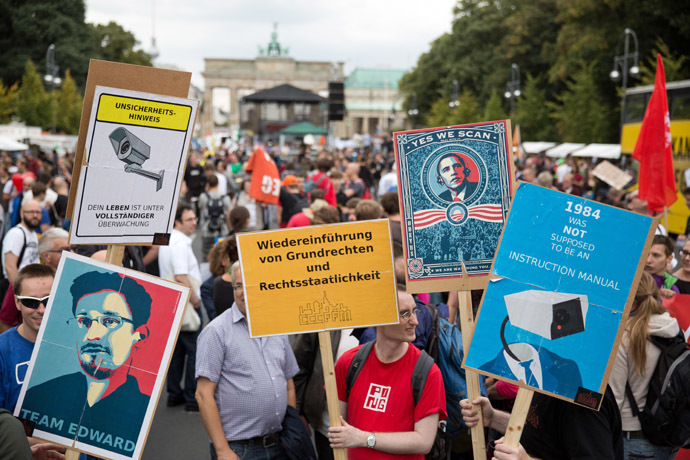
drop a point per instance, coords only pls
(100, 358)
(135, 156)
(615, 177)
(145, 79)
(564, 279)
(318, 278)
(455, 186)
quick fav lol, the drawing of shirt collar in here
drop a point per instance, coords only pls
(528, 352)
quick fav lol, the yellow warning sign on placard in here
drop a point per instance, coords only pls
(142, 112)
(318, 278)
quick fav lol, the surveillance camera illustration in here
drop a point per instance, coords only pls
(551, 315)
(134, 152)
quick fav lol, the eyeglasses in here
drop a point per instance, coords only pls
(65, 249)
(33, 302)
(408, 314)
(237, 287)
(109, 322)
(684, 253)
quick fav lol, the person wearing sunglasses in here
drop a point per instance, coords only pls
(32, 289)
(52, 244)
(109, 316)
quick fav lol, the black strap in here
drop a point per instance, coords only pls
(21, 253)
(356, 365)
(419, 375)
(631, 398)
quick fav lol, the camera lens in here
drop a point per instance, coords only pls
(124, 148)
(561, 316)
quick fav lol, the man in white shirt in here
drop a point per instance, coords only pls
(20, 245)
(178, 263)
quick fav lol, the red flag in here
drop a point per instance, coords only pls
(679, 307)
(265, 177)
(653, 149)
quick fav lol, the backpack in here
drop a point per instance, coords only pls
(445, 346)
(215, 212)
(419, 374)
(665, 418)
(310, 184)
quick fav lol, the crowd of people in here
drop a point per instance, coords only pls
(242, 386)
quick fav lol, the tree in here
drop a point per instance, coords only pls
(27, 28)
(35, 105)
(674, 65)
(580, 117)
(9, 97)
(440, 113)
(467, 111)
(494, 108)
(69, 104)
(532, 113)
(114, 43)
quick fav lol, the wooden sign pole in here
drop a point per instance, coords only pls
(114, 256)
(471, 377)
(331, 387)
(516, 423)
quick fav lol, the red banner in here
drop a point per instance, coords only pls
(679, 307)
(265, 177)
(653, 149)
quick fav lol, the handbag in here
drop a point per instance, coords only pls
(295, 438)
(190, 319)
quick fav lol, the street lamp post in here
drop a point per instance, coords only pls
(52, 78)
(454, 98)
(513, 86)
(622, 63)
(413, 112)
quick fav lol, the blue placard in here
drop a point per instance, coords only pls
(455, 187)
(567, 266)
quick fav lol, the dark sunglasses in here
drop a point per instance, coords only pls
(33, 302)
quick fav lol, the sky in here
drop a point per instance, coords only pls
(361, 33)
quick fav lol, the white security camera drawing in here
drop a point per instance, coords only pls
(134, 152)
(551, 315)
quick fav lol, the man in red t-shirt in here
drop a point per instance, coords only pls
(380, 419)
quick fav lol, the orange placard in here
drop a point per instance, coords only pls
(318, 278)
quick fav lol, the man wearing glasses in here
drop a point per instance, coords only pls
(32, 288)
(177, 262)
(102, 403)
(243, 385)
(380, 418)
(19, 247)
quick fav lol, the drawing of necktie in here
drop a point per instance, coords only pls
(529, 376)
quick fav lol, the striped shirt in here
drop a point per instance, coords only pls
(251, 375)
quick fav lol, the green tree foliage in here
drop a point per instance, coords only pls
(9, 97)
(468, 110)
(440, 113)
(117, 44)
(69, 104)
(580, 117)
(532, 113)
(675, 66)
(28, 27)
(35, 105)
(494, 108)
(549, 38)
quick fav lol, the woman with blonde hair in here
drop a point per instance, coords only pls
(637, 357)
